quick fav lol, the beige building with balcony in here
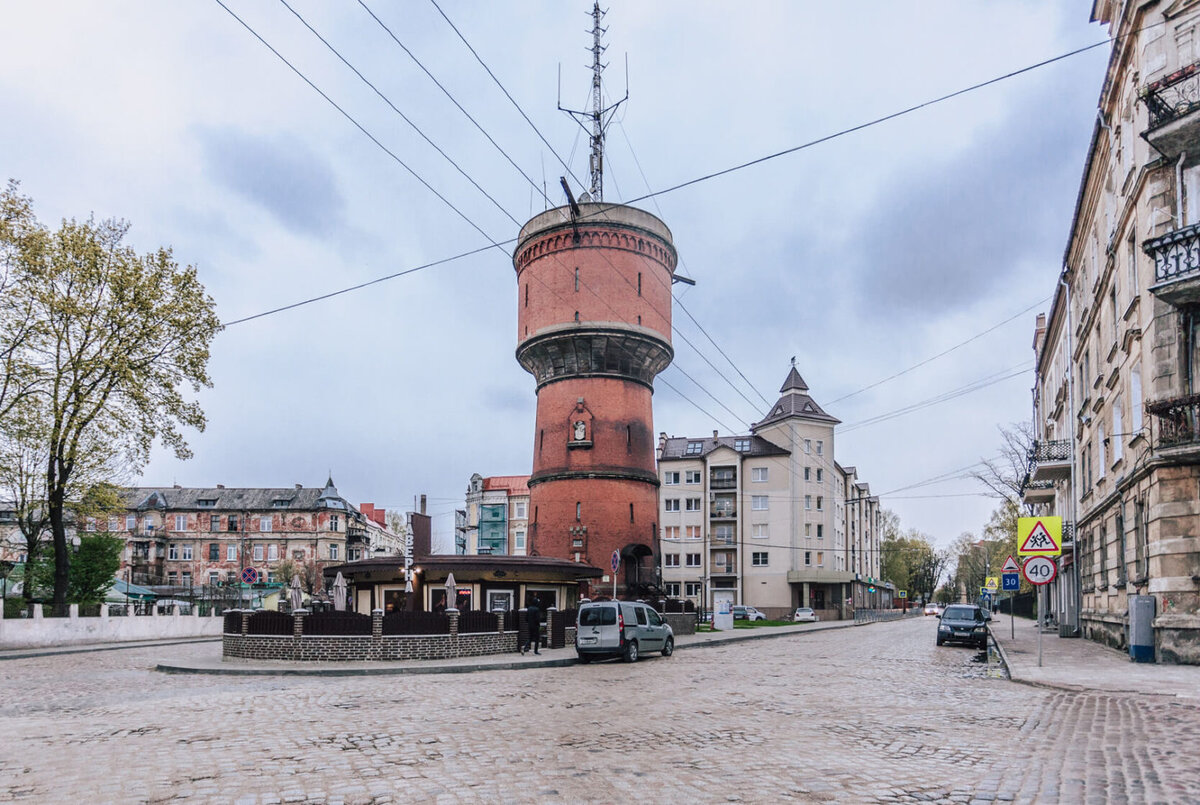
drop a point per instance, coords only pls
(768, 519)
(1117, 400)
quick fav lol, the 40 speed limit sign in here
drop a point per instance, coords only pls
(1039, 570)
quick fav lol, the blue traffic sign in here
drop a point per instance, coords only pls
(1011, 581)
(250, 575)
(616, 560)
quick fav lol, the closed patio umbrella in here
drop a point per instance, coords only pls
(297, 595)
(339, 593)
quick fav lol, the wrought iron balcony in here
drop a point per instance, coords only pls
(1037, 491)
(1178, 421)
(1050, 460)
(1173, 102)
(1176, 258)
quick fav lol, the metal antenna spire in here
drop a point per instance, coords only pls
(596, 121)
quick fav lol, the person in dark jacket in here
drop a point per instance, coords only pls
(533, 623)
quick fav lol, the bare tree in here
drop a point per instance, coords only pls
(1004, 476)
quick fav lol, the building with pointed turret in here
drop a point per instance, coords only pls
(769, 519)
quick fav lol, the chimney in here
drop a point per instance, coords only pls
(422, 504)
(220, 486)
(177, 486)
(299, 486)
(714, 435)
(1039, 333)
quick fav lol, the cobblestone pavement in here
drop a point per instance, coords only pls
(873, 714)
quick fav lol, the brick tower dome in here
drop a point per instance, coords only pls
(594, 329)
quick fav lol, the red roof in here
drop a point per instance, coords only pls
(514, 484)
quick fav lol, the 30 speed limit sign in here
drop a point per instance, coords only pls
(1039, 570)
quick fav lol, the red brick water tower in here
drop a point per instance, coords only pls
(594, 329)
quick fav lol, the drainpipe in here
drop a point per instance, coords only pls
(1179, 190)
(1076, 579)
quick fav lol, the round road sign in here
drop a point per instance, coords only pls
(250, 575)
(616, 560)
(1039, 570)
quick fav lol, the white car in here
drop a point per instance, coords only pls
(747, 613)
(805, 615)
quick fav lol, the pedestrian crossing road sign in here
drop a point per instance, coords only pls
(992, 583)
(1039, 536)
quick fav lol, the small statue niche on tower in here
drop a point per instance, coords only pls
(579, 427)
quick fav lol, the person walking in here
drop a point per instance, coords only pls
(533, 623)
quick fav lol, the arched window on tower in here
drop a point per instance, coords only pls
(578, 510)
(576, 316)
(577, 279)
(631, 512)
(639, 283)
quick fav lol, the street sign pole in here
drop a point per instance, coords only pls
(1039, 625)
(1012, 615)
(616, 563)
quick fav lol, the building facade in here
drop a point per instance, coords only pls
(594, 329)
(1117, 400)
(769, 519)
(495, 519)
(189, 537)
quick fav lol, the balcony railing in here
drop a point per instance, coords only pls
(723, 483)
(722, 512)
(1173, 96)
(1047, 451)
(1176, 254)
(1178, 421)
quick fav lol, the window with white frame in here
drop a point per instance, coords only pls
(519, 541)
(758, 474)
(672, 588)
(693, 560)
(1100, 450)
(808, 473)
(671, 532)
(230, 553)
(819, 472)
(91, 524)
(1135, 399)
(741, 445)
(691, 589)
(820, 558)
(808, 445)
(1117, 437)
(272, 553)
(670, 560)
(760, 531)
(820, 531)
(671, 504)
(692, 504)
(758, 559)
(185, 553)
(186, 578)
(694, 448)
(692, 477)
(264, 524)
(820, 448)
(758, 503)
(808, 529)
(114, 525)
(181, 522)
(213, 577)
(258, 553)
(172, 551)
(808, 558)
(820, 503)
(333, 551)
(520, 510)
(333, 522)
(693, 532)
(670, 478)
(808, 501)
(130, 522)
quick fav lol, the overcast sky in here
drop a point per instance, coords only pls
(860, 256)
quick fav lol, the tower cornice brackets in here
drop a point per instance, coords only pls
(587, 235)
(594, 352)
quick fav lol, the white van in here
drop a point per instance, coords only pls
(620, 629)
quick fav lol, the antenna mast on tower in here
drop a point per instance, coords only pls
(596, 121)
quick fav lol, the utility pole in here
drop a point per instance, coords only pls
(597, 119)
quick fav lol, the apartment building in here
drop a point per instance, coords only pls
(769, 518)
(1117, 399)
(189, 537)
(495, 519)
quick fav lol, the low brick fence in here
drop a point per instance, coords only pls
(251, 636)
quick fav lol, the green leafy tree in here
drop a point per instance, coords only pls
(94, 568)
(115, 337)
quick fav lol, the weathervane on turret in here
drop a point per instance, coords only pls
(596, 121)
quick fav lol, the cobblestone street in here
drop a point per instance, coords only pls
(871, 714)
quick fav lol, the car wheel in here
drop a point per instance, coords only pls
(584, 659)
(669, 647)
(940, 641)
(631, 651)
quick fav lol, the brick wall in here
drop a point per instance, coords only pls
(351, 648)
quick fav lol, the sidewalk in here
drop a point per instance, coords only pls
(549, 658)
(1075, 663)
(87, 648)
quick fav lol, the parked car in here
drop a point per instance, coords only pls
(805, 615)
(620, 629)
(745, 613)
(963, 623)
(931, 609)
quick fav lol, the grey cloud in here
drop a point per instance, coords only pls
(281, 175)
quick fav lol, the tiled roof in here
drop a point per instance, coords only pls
(513, 484)
(676, 447)
(227, 499)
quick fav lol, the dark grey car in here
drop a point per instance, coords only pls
(962, 623)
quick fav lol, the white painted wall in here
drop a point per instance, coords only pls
(54, 632)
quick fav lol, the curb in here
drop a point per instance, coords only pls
(394, 670)
(85, 648)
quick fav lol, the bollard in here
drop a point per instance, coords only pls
(73, 611)
(104, 612)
